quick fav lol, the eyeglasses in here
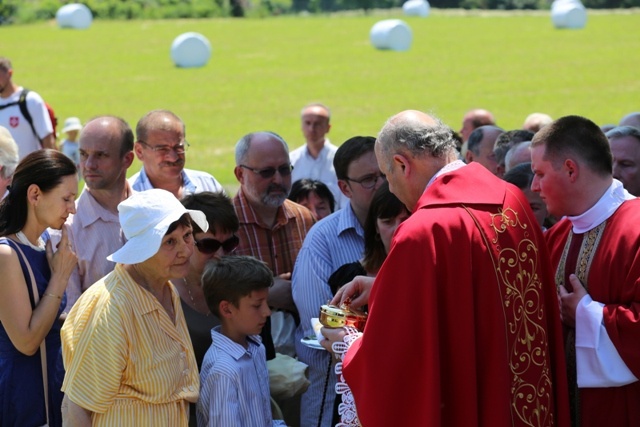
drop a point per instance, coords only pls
(210, 246)
(368, 181)
(163, 150)
(266, 173)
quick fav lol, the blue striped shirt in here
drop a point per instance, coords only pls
(193, 182)
(332, 242)
(234, 388)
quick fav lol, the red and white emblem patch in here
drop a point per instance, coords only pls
(14, 121)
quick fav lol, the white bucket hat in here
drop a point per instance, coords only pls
(72, 123)
(145, 218)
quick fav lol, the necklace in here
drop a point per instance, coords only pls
(23, 239)
(193, 302)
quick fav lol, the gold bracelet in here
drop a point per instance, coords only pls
(47, 294)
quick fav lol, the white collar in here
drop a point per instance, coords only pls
(449, 167)
(602, 210)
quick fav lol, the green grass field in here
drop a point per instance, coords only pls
(264, 70)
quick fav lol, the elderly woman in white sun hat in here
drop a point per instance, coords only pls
(127, 353)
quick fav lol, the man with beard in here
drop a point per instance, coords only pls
(272, 228)
(161, 147)
(105, 147)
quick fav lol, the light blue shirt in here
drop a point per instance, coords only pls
(332, 242)
(234, 385)
(193, 181)
(320, 168)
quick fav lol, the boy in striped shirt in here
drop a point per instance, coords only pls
(234, 376)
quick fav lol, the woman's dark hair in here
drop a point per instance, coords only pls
(44, 168)
(383, 205)
(301, 188)
(184, 220)
(217, 208)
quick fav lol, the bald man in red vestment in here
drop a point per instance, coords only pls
(595, 253)
(463, 327)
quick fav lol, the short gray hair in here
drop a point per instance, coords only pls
(417, 138)
(620, 131)
(8, 153)
(244, 143)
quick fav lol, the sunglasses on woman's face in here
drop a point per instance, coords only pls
(210, 246)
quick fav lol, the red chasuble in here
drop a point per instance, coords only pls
(463, 326)
(609, 266)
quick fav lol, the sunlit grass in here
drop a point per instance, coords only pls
(263, 71)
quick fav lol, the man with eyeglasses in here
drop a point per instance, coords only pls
(105, 147)
(333, 242)
(161, 147)
(314, 159)
(272, 228)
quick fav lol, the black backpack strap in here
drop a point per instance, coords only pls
(11, 104)
(22, 103)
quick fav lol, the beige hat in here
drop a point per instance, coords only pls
(8, 152)
(72, 123)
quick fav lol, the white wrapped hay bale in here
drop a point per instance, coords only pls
(568, 14)
(416, 8)
(74, 15)
(391, 34)
(190, 50)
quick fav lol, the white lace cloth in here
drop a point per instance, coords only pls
(346, 409)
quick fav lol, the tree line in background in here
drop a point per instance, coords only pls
(24, 11)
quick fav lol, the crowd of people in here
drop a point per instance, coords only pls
(499, 271)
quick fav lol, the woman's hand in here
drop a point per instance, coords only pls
(357, 291)
(64, 260)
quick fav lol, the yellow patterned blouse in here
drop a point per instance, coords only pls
(125, 360)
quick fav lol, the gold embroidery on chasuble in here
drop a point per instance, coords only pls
(586, 253)
(516, 267)
(585, 257)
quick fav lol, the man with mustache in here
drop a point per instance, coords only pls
(272, 228)
(161, 147)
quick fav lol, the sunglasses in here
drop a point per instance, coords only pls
(210, 246)
(266, 173)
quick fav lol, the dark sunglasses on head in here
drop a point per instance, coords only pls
(210, 246)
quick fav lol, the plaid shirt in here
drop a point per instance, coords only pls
(279, 245)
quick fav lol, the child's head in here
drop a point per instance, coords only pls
(72, 127)
(238, 284)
